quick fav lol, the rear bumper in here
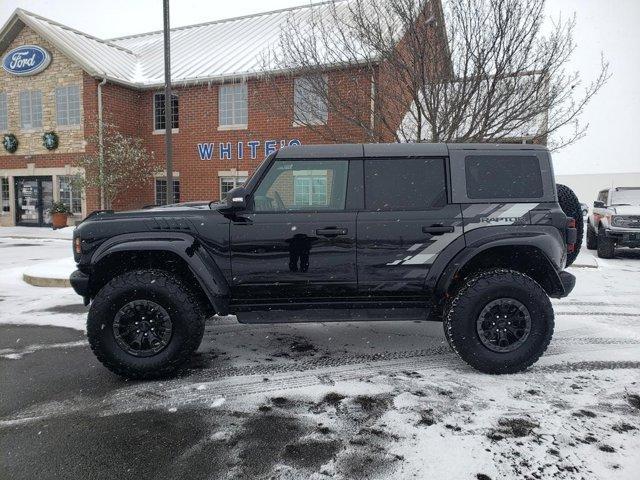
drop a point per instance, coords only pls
(568, 282)
(80, 283)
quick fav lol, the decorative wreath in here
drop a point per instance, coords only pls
(10, 142)
(50, 140)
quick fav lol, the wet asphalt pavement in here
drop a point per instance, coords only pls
(136, 445)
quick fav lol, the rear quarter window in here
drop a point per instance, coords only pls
(509, 176)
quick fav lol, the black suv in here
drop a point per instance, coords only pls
(471, 235)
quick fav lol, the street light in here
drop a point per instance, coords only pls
(168, 104)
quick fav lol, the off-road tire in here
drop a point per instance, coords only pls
(592, 238)
(606, 246)
(571, 207)
(167, 291)
(475, 294)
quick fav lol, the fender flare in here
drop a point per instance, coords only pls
(537, 240)
(186, 247)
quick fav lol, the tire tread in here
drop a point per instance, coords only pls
(179, 293)
(472, 288)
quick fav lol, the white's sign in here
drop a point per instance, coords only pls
(26, 60)
(242, 150)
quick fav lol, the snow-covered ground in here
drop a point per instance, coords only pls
(36, 232)
(383, 399)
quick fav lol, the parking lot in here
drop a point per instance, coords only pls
(353, 400)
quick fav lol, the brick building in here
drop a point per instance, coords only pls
(223, 126)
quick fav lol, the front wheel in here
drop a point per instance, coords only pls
(500, 321)
(144, 324)
(606, 246)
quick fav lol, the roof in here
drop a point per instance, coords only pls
(389, 150)
(215, 51)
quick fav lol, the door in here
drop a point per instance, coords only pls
(299, 239)
(34, 197)
(406, 223)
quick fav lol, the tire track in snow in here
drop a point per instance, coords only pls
(199, 392)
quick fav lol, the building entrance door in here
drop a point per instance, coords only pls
(34, 196)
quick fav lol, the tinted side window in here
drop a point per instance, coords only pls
(404, 184)
(602, 197)
(303, 185)
(503, 176)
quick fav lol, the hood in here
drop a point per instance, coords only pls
(627, 210)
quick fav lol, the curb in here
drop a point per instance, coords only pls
(46, 282)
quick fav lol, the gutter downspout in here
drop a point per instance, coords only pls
(101, 145)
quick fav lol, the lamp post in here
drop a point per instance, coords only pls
(168, 104)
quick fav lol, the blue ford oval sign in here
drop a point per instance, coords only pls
(26, 60)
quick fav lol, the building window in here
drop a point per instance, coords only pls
(158, 112)
(4, 120)
(310, 100)
(70, 194)
(4, 194)
(310, 188)
(68, 105)
(31, 109)
(161, 191)
(229, 183)
(232, 105)
(292, 185)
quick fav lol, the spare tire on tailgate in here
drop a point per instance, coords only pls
(571, 207)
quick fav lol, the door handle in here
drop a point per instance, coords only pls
(331, 231)
(438, 229)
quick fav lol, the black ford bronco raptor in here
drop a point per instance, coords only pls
(475, 236)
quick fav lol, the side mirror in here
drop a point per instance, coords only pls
(598, 204)
(237, 199)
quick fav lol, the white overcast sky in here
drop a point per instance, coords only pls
(604, 26)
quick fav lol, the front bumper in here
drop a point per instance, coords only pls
(80, 283)
(624, 237)
(568, 282)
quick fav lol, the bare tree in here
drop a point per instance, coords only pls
(417, 70)
(126, 165)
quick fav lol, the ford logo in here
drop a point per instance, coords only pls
(26, 60)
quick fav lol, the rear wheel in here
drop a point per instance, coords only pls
(571, 207)
(144, 324)
(500, 321)
(606, 245)
(592, 238)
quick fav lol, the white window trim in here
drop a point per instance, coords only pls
(176, 178)
(233, 173)
(316, 121)
(2, 212)
(31, 128)
(6, 99)
(64, 128)
(236, 177)
(68, 126)
(222, 128)
(57, 187)
(235, 126)
(311, 177)
(161, 131)
(298, 124)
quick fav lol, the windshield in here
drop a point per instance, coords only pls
(630, 196)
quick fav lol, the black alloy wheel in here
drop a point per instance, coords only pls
(503, 325)
(142, 328)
